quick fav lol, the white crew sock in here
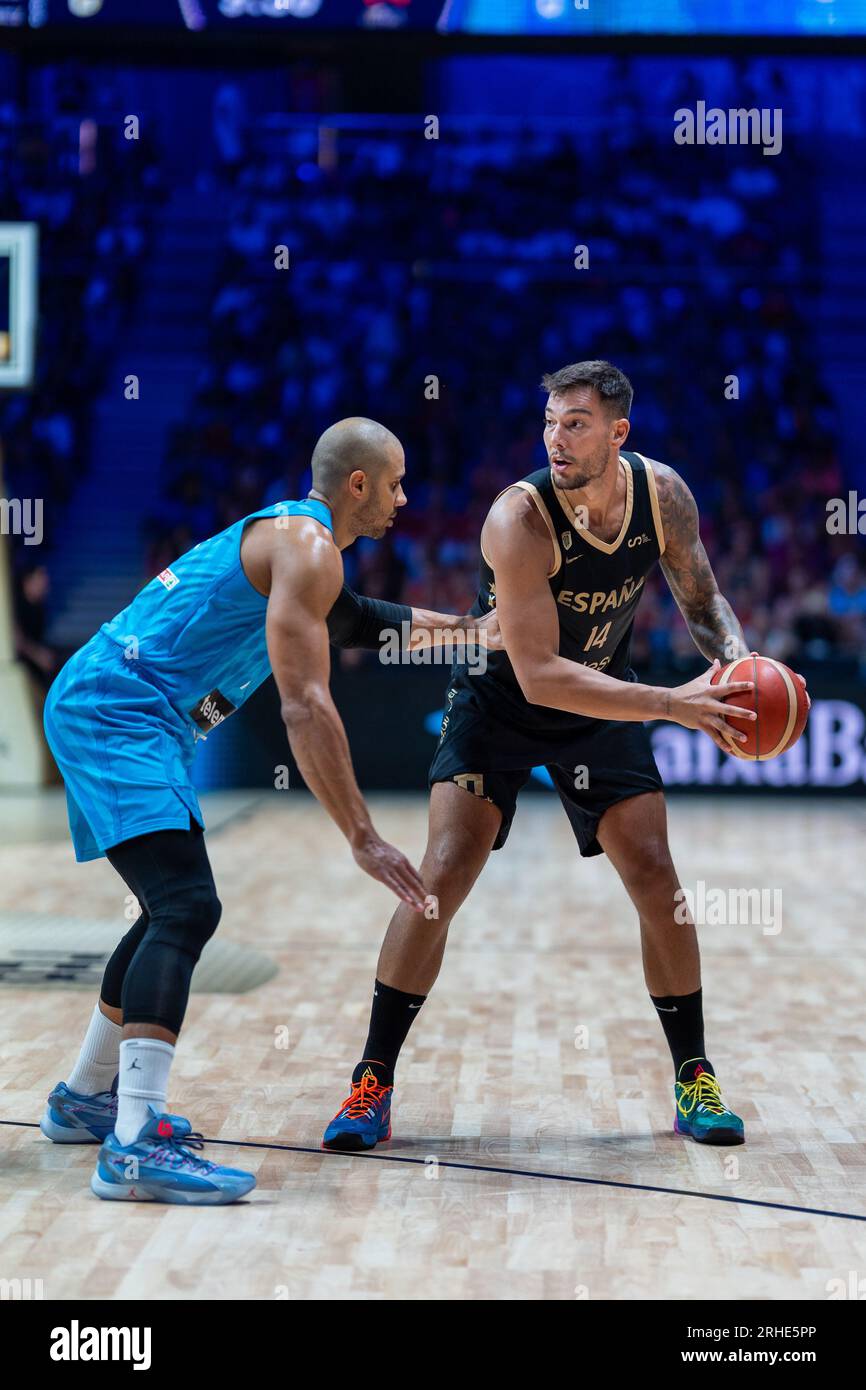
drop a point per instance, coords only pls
(144, 1067)
(97, 1062)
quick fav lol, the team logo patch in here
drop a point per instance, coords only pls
(471, 782)
(211, 710)
(168, 578)
(566, 540)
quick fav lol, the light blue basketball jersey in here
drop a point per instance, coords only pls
(124, 714)
(197, 631)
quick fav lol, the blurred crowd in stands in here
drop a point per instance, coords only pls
(94, 195)
(430, 282)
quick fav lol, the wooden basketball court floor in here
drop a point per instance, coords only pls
(522, 1165)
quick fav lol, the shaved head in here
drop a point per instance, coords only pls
(358, 469)
(355, 443)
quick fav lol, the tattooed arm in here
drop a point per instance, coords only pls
(710, 618)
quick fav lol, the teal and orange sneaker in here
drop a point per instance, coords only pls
(364, 1118)
(701, 1113)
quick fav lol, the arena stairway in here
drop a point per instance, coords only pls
(99, 564)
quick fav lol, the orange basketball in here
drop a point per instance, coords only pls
(780, 699)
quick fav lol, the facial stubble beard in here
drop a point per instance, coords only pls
(593, 477)
(370, 523)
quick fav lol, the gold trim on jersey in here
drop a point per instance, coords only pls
(654, 501)
(542, 507)
(607, 546)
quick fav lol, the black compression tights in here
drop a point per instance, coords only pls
(149, 974)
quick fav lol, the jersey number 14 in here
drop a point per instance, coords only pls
(597, 638)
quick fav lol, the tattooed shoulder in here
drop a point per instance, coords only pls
(679, 512)
(709, 617)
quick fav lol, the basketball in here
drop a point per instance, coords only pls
(779, 699)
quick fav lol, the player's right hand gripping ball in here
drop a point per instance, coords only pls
(781, 702)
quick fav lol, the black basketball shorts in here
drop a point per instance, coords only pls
(593, 764)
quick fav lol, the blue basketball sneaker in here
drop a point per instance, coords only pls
(157, 1167)
(71, 1118)
(364, 1118)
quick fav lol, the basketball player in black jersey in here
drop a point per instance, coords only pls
(565, 556)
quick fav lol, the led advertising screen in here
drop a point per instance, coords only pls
(538, 17)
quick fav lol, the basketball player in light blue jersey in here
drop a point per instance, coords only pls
(123, 719)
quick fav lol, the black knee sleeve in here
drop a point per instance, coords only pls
(118, 964)
(189, 921)
(169, 873)
(157, 981)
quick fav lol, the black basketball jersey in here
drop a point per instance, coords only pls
(596, 584)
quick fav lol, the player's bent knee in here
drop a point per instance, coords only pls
(205, 911)
(451, 862)
(651, 868)
(190, 920)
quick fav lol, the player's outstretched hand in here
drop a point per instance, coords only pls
(385, 863)
(697, 706)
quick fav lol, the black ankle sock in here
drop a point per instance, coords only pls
(682, 1017)
(391, 1017)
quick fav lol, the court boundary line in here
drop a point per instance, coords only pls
(519, 1173)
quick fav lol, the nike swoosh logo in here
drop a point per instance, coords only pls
(570, 559)
(661, 1010)
(414, 1006)
(245, 684)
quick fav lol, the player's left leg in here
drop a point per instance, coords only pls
(126, 762)
(633, 833)
(83, 1108)
(463, 829)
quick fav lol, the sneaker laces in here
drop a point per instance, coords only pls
(365, 1094)
(84, 1104)
(171, 1153)
(705, 1091)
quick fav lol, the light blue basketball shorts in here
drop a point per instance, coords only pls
(124, 753)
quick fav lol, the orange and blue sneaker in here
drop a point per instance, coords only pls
(701, 1113)
(364, 1118)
